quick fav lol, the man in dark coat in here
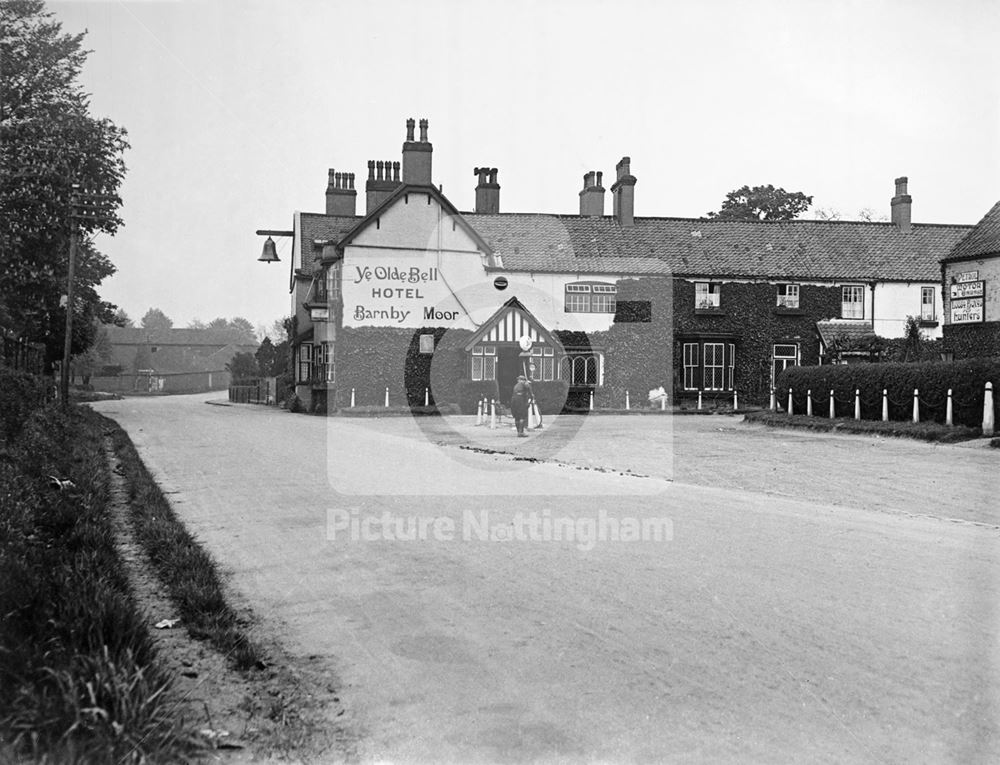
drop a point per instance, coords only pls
(519, 404)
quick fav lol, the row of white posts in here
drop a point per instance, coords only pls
(988, 415)
(486, 414)
(427, 397)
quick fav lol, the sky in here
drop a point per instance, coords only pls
(236, 110)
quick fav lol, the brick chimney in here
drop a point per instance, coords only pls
(487, 191)
(592, 196)
(901, 206)
(341, 198)
(624, 194)
(383, 179)
(417, 156)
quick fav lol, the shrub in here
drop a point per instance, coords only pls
(966, 378)
(471, 392)
(21, 394)
(550, 395)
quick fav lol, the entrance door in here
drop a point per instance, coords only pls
(508, 368)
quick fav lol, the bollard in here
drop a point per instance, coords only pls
(916, 405)
(591, 400)
(493, 414)
(885, 405)
(736, 401)
(988, 416)
(774, 402)
(427, 397)
(479, 413)
(699, 399)
(663, 404)
(532, 419)
(791, 404)
(809, 403)
(387, 397)
(538, 414)
(627, 406)
(833, 405)
(949, 419)
(352, 398)
(857, 403)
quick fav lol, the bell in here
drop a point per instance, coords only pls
(270, 254)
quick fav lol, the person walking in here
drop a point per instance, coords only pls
(519, 404)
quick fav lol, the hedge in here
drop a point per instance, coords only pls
(471, 392)
(21, 393)
(966, 378)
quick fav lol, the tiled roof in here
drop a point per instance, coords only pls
(984, 239)
(851, 330)
(801, 250)
(319, 226)
(211, 338)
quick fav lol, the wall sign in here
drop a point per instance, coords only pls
(967, 310)
(967, 276)
(967, 290)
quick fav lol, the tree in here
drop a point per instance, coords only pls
(265, 356)
(218, 324)
(762, 203)
(122, 319)
(49, 143)
(243, 366)
(196, 324)
(155, 319)
(244, 328)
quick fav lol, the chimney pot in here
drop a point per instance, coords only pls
(423, 131)
(417, 157)
(600, 175)
(624, 194)
(592, 196)
(901, 206)
(395, 172)
(339, 199)
(371, 169)
(487, 191)
(410, 124)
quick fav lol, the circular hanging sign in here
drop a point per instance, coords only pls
(500, 282)
(525, 343)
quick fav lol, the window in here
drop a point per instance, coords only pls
(304, 367)
(333, 282)
(714, 371)
(581, 369)
(927, 304)
(784, 355)
(323, 363)
(707, 295)
(730, 364)
(484, 362)
(542, 364)
(690, 366)
(590, 297)
(852, 302)
(788, 296)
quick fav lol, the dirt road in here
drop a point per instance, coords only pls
(805, 606)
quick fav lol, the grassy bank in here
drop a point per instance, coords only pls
(924, 431)
(79, 681)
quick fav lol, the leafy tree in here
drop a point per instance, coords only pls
(155, 319)
(49, 142)
(762, 203)
(197, 324)
(243, 366)
(122, 319)
(265, 356)
(244, 328)
(218, 324)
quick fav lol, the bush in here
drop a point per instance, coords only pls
(967, 380)
(21, 394)
(923, 431)
(471, 392)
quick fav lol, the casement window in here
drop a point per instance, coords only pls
(927, 312)
(484, 362)
(852, 301)
(714, 377)
(543, 366)
(690, 366)
(323, 367)
(581, 369)
(304, 366)
(730, 364)
(784, 355)
(708, 365)
(333, 281)
(788, 296)
(590, 297)
(707, 295)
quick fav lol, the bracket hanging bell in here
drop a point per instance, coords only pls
(270, 253)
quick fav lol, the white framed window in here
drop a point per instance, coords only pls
(783, 355)
(542, 364)
(590, 297)
(304, 367)
(332, 281)
(927, 312)
(715, 366)
(852, 301)
(731, 364)
(707, 295)
(690, 366)
(788, 296)
(580, 369)
(323, 363)
(484, 362)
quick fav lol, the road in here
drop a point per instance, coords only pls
(818, 598)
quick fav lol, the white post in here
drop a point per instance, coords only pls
(386, 396)
(663, 404)
(949, 412)
(916, 405)
(538, 414)
(591, 400)
(833, 405)
(479, 412)
(774, 401)
(532, 418)
(736, 401)
(809, 402)
(699, 398)
(493, 414)
(427, 397)
(791, 405)
(857, 403)
(885, 405)
(352, 398)
(627, 402)
(988, 417)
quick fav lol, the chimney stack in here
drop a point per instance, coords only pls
(901, 204)
(487, 191)
(417, 156)
(592, 196)
(383, 179)
(341, 197)
(624, 194)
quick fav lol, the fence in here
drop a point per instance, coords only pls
(257, 391)
(148, 381)
(941, 410)
(21, 355)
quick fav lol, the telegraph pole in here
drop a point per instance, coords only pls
(68, 340)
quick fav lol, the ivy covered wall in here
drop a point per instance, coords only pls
(969, 341)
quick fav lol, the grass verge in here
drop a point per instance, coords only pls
(924, 431)
(188, 572)
(79, 679)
